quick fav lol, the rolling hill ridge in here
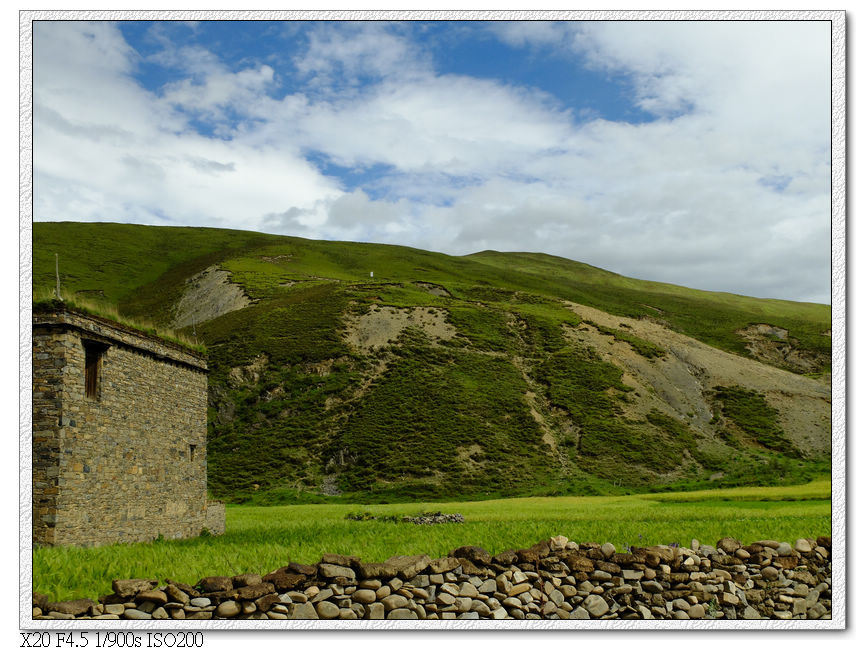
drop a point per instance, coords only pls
(449, 377)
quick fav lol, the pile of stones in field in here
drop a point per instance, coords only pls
(429, 518)
(554, 579)
(423, 519)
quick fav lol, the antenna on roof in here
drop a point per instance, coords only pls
(57, 274)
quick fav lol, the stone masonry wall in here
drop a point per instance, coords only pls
(48, 370)
(130, 464)
(554, 579)
(214, 521)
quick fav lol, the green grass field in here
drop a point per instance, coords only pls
(423, 421)
(142, 269)
(261, 539)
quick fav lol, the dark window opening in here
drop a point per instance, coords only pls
(191, 452)
(93, 353)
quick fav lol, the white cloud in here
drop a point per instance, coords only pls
(530, 33)
(81, 75)
(445, 124)
(123, 154)
(348, 53)
(726, 190)
(739, 103)
(219, 90)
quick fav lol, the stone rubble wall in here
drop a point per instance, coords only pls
(214, 520)
(554, 579)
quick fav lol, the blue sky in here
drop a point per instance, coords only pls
(688, 152)
(459, 48)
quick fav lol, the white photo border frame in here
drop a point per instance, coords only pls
(838, 306)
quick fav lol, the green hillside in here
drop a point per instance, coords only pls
(446, 376)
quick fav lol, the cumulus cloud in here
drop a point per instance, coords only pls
(218, 91)
(342, 56)
(362, 137)
(107, 150)
(447, 125)
(736, 168)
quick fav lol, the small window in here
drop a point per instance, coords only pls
(191, 452)
(93, 353)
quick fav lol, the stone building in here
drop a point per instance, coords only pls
(119, 434)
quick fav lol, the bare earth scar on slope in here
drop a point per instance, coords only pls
(680, 381)
(771, 344)
(208, 294)
(381, 326)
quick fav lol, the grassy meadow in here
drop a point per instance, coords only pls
(142, 269)
(421, 426)
(260, 539)
(422, 420)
